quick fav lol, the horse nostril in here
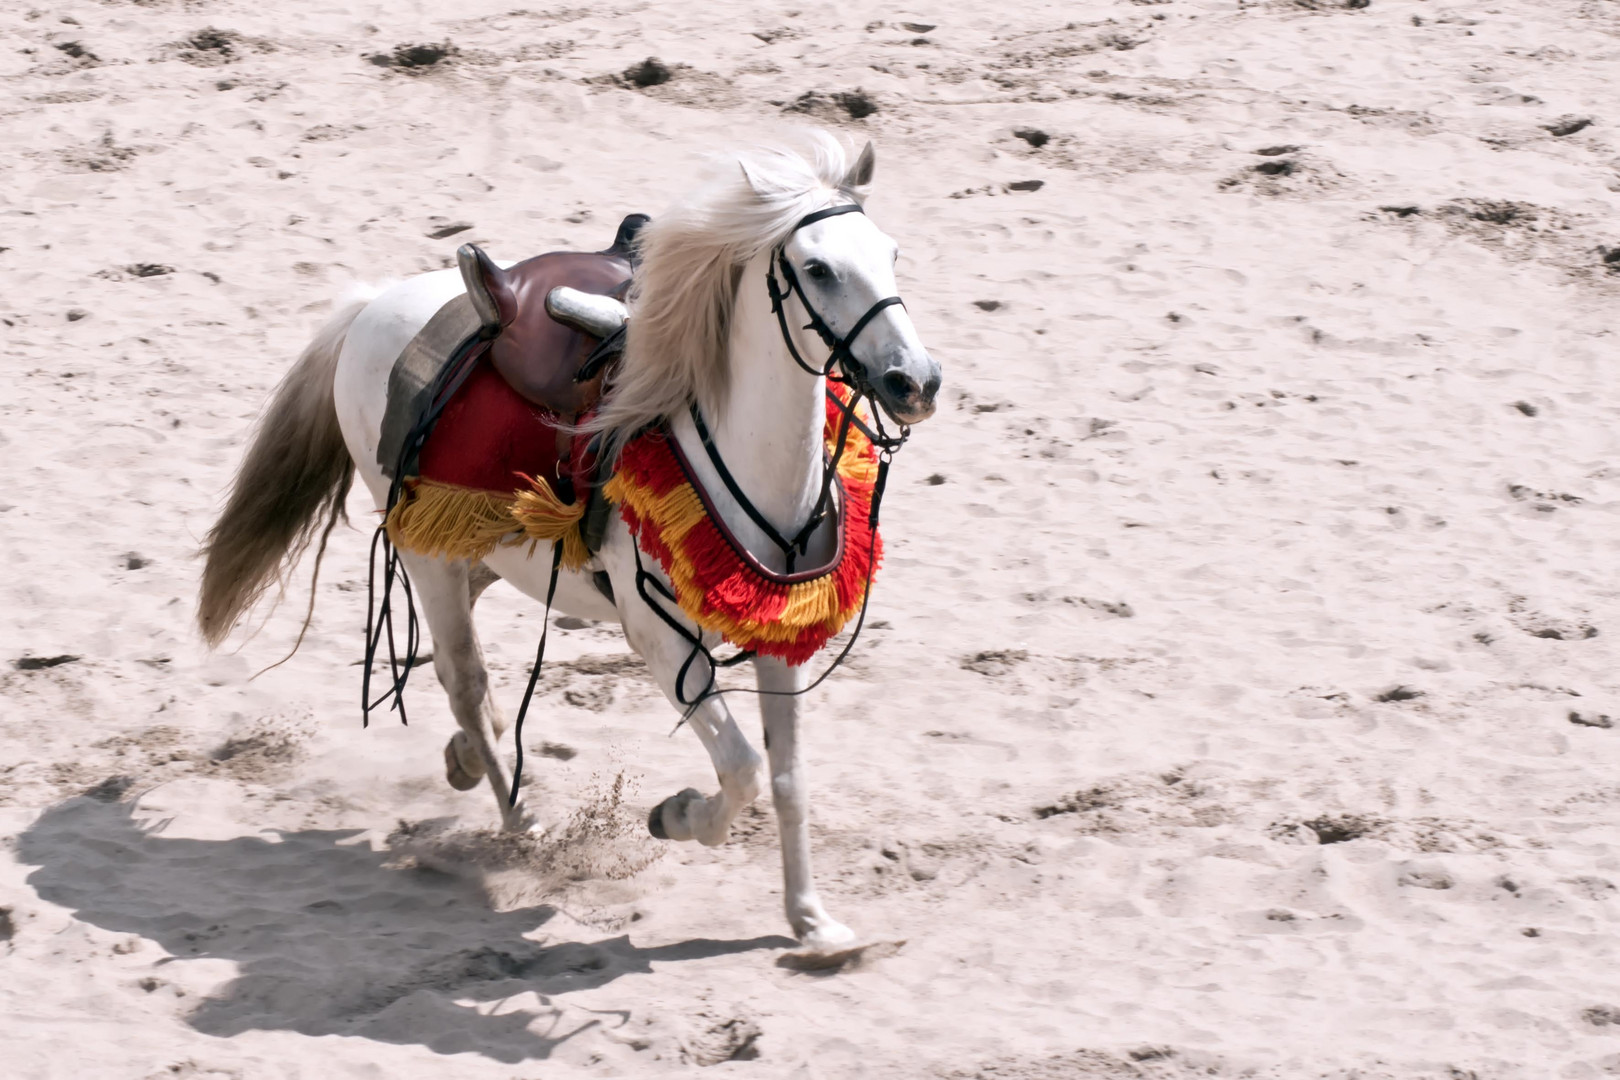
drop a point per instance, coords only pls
(900, 386)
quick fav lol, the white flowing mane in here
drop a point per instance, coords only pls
(686, 282)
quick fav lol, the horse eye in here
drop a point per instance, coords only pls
(817, 270)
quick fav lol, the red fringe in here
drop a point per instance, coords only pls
(745, 604)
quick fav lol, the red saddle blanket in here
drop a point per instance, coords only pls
(489, 438)
(495, 470)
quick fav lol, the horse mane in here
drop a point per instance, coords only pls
(691, 260)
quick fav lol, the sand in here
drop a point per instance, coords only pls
(1241, 697)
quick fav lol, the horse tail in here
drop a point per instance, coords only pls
(292, 484)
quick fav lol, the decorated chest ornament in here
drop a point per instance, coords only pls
(716, 582)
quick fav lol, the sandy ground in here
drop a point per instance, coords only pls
(1241, 699)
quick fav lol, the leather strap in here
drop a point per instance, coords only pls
(732, 486)
(534, 673)
(831, 211)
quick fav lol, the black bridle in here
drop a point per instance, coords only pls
(840, 357)
(843, 367)
(838, 348)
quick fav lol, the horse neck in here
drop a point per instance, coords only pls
(769, 434)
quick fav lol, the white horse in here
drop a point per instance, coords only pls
(704, 332)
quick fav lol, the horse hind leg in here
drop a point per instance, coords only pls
(463, 765)
(446, 591)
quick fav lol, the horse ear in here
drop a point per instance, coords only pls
(756, 184)
(860, 174)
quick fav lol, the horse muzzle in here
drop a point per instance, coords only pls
(907, 391)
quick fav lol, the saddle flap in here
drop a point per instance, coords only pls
(488, 287)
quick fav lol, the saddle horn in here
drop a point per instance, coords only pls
(596, 315)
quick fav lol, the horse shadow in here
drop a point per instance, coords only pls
(328, 939)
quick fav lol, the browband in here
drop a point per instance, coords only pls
(831, 211)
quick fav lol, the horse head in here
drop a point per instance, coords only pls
(839, 267)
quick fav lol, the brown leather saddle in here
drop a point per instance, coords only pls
(542, 358)
(548, 361)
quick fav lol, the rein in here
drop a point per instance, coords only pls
(851, 375)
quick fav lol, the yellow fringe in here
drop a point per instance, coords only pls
(855, 466)
(809, 604)
(543, 516)
(451, 522)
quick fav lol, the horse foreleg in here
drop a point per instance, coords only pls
(692, 816)
(689, 815)
(446, 592)
(790, 791)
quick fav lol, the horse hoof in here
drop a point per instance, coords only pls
(459, 777)
(520, 823)
(676, 804)
(827, 959)
(828, 937)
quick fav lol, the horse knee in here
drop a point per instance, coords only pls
(747, 788)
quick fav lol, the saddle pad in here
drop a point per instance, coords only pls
(490, 439)
(488, 475)
(410, 381)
